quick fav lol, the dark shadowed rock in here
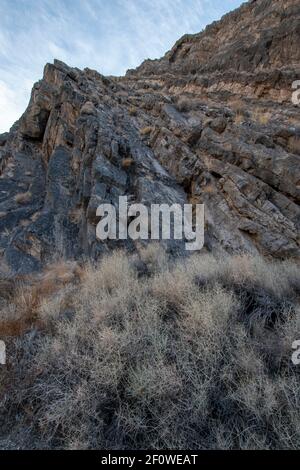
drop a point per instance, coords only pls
(3, 138)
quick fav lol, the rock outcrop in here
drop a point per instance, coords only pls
(211, 122)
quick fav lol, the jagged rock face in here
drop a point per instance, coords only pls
(212, 122)
(253, 51)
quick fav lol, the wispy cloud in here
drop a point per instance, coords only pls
(108, 35)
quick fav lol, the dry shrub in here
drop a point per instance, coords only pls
(154, 256)
(183, 358)
(24, 298)
(239, 107)
(62, 272)
(261, 116)
(294, 145)
(132, 111)
(127, 162)
(19, 315)
(239, 117)
(23, 198)
(146, 130)
(185, 104)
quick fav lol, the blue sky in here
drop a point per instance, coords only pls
(110, 36)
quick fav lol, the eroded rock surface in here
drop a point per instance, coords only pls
(212, 121)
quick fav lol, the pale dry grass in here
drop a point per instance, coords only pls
(261, 116)
(193, 355)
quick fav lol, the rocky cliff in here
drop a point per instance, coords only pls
(211, 122)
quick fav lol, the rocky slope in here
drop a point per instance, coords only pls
(212, 121)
